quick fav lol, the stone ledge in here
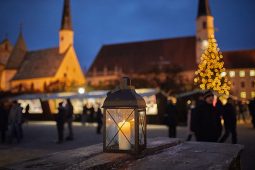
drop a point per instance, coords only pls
(161, 153)
(192, 156)
(90, 157)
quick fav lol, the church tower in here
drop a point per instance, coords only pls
(66, 34)
(204, 27)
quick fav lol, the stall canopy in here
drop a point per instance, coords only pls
(72, 95)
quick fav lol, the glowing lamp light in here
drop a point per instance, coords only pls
(81, 90)
(124, 120)
(223, 74)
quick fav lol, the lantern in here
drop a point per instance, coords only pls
(124, 120)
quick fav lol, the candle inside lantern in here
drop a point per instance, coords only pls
(111, 130)
(124, 135)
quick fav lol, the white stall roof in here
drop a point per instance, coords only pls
(72, 95)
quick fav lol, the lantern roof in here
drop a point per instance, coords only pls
(124, 96)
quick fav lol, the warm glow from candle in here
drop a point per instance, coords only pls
(123, 141)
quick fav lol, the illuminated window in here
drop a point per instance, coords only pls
(252, 73)
(242, 73)
(243, 94)
(232, 73)
(253, 94)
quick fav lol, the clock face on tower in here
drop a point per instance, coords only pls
(204, 44)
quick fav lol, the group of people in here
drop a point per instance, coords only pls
(204, 119)
(11, 120)
(65, 115)
(89, 115)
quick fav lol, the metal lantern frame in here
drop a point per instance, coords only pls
(116, 103)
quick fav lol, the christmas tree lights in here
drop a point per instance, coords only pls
(211, 74)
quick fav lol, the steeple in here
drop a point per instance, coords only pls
(18, 53)
(66, 33)
(21, 44)
(205, 27)
(203, 8)
(66, 23)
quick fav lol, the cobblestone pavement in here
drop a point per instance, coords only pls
(40, 137)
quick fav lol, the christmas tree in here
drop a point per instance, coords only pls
(211, 73)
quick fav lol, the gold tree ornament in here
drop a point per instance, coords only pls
(211, 74)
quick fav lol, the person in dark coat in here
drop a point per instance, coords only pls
(252, 111)
(60, 122)
(84, 115)
(3, 121)
(91, 114)
(190, 115)
(207, 120)
(229, 117)
(171, 119)
(241, 112)
(27, 108)
(69, 119)
(15, 122)
(99, 120)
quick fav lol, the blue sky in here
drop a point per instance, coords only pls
(98, 22)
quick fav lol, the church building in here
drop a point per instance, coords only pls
(44, 70)
(141, 59)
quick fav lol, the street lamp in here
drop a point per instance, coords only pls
(81, 90)
(124, 120)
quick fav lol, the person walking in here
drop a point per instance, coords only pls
(69, 119)
(252, 111)
(21, 120)
(99, 120)
(84, 115)
(171, 118)
(60, 119)
(14, 121)
(91, 113)
(27, 108)
(3, 121)
(190, 115)
(241, 112)
(229, 117)
(207, 120)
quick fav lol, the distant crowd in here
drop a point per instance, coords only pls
(205, 116)
(12, 119)
(65, 115)
(204, 119)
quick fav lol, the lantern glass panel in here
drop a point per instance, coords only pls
(142, 124)
(120, 129)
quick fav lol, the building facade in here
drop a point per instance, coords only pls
(148, 60)
(51, 69)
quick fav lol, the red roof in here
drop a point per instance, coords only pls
(239, 59)
(141, 56)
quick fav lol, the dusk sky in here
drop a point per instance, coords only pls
(98, 22)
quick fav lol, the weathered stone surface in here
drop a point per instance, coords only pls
(161, 153)
(192, 156)
(59, 160)
(88, 157)
(114, 160)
